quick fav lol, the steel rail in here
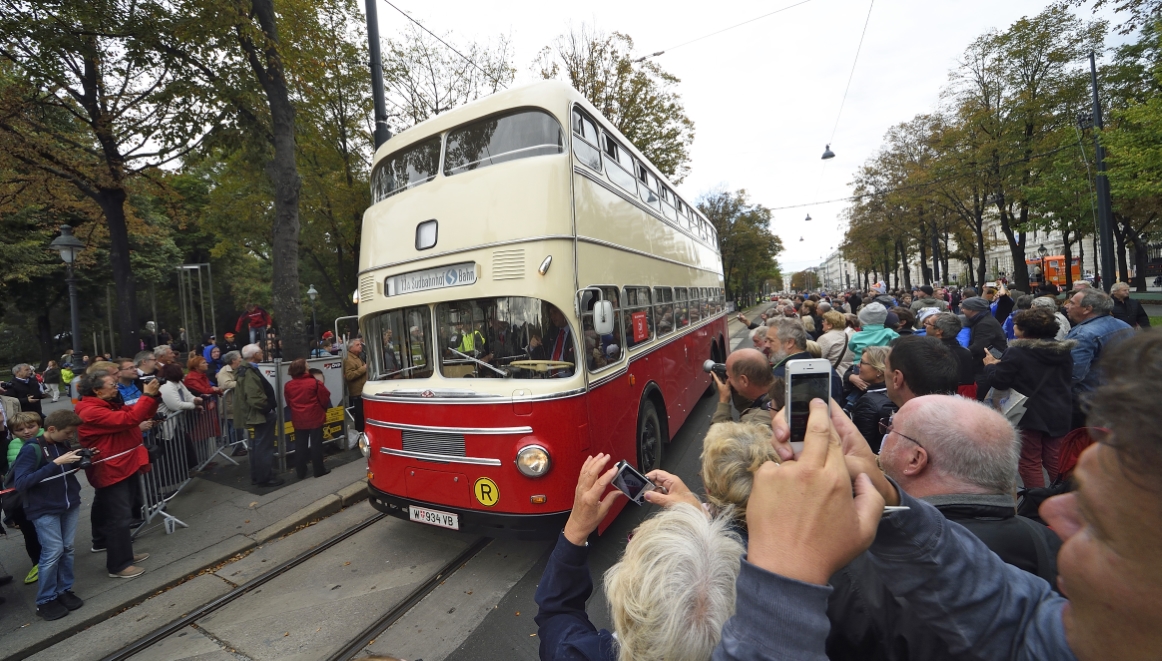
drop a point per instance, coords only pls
(161, 633)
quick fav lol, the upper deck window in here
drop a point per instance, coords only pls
(619, 165)
(500, 139)
(586, 148)
(406, 168)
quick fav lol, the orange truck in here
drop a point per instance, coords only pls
(1054, 270)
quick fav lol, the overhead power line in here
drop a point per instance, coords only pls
(717, 32)
(922, 184)
(851, 75)
(450, 47)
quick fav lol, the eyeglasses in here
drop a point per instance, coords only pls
(886, 428)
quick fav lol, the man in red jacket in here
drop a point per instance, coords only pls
(112, 430)
(257, 320)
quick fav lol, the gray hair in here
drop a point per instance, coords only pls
(250, 350)
(20, 367)
(141, 357)
(230, 357)
(1096, 299)
(1047, 302)
(790, 329)
(823, 306)
(1120, 285)
(674, 588)
(351, 342)
(759, 331)
(967, 441)
(161, 350)
(948, 323)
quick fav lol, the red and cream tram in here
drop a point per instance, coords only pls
(531, 292)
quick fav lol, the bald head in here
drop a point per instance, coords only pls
(951, 445)
(749, 372)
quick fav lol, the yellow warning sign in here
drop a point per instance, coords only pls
(486, 491)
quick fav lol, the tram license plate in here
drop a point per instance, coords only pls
(434, 518)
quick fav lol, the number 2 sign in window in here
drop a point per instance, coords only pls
(641, 326)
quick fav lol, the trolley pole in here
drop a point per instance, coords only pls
(382, 133)
(1104, 212)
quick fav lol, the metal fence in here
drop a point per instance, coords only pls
(181, 445)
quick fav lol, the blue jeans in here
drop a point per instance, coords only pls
(56, 532)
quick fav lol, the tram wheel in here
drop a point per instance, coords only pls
(649, 438)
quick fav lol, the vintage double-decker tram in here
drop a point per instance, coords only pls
(531, 292)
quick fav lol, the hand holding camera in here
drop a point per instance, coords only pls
(81, 456)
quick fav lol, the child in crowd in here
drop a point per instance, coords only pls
(25, 428)
(52, 501)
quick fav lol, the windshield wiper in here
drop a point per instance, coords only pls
(480, 362)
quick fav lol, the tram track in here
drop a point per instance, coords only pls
(347, 650)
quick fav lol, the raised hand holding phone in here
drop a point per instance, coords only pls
(803, 521)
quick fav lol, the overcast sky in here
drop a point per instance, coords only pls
(764, 97)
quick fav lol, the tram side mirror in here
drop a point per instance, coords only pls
(603, 317)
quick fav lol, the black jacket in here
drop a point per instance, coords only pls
(1131, 312)
(986, 332)
(22, 390)
(1042, 370)
(964, 356)
(867, 412)
(868, 623)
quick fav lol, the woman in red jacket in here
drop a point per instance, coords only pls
(308, 400)
(113, 431)
(198, 381)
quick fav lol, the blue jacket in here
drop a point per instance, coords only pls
(565, 631)
(50, 489)
(964, 337)
(1092, 336)
(974, 600)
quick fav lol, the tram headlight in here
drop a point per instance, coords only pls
(533, 461)
(364, 445)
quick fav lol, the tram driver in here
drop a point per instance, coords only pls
(557, 344)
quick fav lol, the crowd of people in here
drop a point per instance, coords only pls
(983, 484)
(106, 433)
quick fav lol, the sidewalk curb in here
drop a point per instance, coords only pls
(164, 578)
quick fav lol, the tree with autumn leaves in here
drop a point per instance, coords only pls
(1006, 146)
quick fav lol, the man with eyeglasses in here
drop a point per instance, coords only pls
(959, 456)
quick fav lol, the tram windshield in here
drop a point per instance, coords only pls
(504, 337)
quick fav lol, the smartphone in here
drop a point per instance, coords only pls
(806, 380)
(632, 483)
(997, 353)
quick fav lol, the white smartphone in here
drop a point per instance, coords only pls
(806, 380)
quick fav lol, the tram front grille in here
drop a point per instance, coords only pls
(434, 443)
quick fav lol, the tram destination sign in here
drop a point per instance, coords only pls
(453, 275)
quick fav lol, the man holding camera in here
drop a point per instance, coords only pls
(112, 429)
(749, 375)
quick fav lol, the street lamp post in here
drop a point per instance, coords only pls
(69, 247)
(313, 294)
(1042, 251)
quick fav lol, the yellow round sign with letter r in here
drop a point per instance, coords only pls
(486, 491)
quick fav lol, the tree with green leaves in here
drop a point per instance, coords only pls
(635, 94)
(91, 98)
(748, 247)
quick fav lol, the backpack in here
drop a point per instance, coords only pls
(13, 501)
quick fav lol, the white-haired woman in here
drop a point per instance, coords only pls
(670, 595)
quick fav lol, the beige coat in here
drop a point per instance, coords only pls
(227, 382)
(355, 374)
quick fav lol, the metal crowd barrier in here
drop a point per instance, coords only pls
(180, 446)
